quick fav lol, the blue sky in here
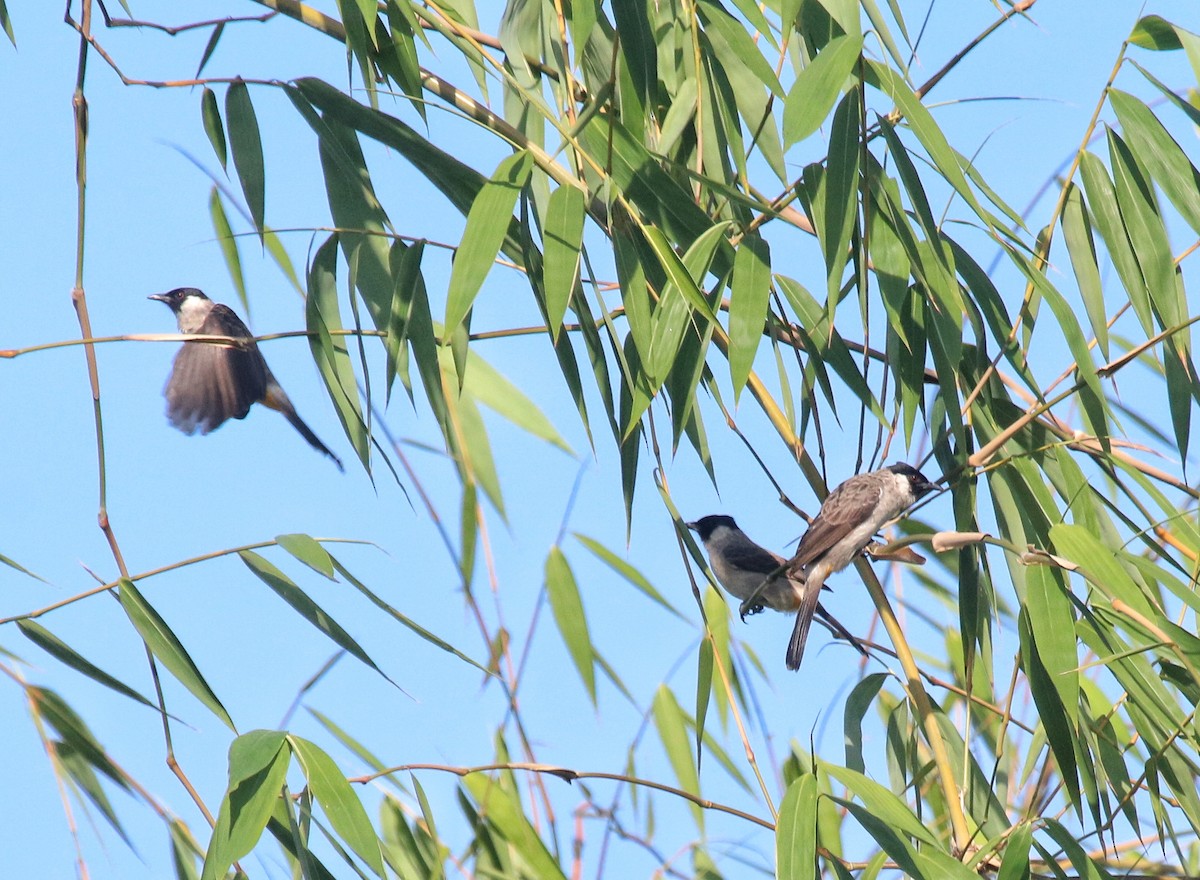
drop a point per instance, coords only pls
(172, 496)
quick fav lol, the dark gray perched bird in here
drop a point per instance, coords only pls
(840, 531)
(747, 570)
(213, 382)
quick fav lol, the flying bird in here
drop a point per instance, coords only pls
(840, 531)
(212, 382)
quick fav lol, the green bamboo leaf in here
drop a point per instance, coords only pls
(165, 646)
(495, 392)
(883, 804)
(363, 225)
(505, 815)
(1055, 722)
(403, 61)
(1084, 865)
(670, 722)
(627, 571)
(246, 144)
(921, 121)
(16, 566)
(672, 315)
(309, 551)
(487, 226)
(329, 353)
(403, 619)
(1052, 620)
(748, 301)
(563, 239)
(1155, 33)
(1015, 865)
(796, 831)
(734, 47)
(210, 113)
(704, 680)
(229, 246)
(258, 763)
(280, 255)
(1100, 565)
(343, 809)
(1147, 233)
(678, 272)
(80, 774)
(74, 733)
(1183, 385)
(841, 190)
(287, 590)
(1077, 231)
(828, 347)
(477, 462)
(817, 87)
(1160, 154)
(567, 605)
(60, 650)
(662, 202)
(6, 23)
(1102, 200)
(857, 704)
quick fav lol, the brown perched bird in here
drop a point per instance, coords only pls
(745, 569)
(840, 531)
(213, 382)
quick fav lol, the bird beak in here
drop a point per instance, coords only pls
(693, 526)
(161, 297)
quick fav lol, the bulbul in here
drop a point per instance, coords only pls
(841, 530)
(745, 569)
(213, 382)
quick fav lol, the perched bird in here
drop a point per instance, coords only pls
(841, 530)
(745, 569)
(213, 382)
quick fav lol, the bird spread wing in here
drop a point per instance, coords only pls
(210, 382)
(846, 507)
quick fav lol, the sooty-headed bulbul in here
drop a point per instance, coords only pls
(840, 531)
(212, 382)
(745, 569)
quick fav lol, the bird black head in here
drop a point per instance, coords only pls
(706, 525)
(175, 298)
(916, 480)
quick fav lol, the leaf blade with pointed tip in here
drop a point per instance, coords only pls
(165, 645)
(567, 605)
(287, 590)
(245, 142)
(487, 225)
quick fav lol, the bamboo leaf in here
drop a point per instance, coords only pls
(672, 731)
(258, 763)
(817, 87)
(567, 605)
(796, 831)
(287, 590)
(563, 239)
(627, 571)
(210, 113)
(246, 145)
(343, 809)
(61, 651)
(748, 302)
(164, 644)
(487, 226)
